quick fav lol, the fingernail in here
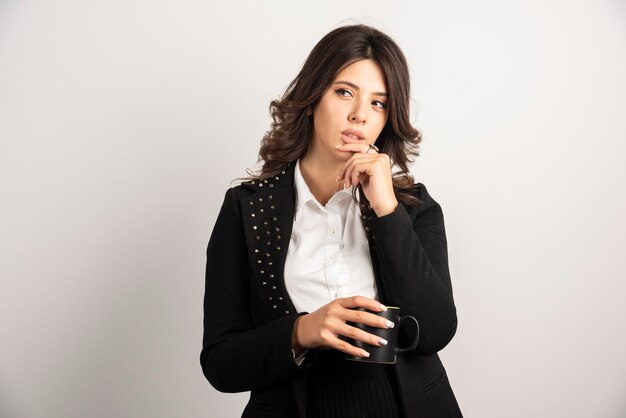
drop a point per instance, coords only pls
(365, 354)
(382, 341)
(383, 307)
(345, 185)
(337, 179)
(339, 146)
(390, 324)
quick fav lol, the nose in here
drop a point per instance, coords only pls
(357, 118)
(358, 114)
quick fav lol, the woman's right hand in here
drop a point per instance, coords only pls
(323, 327)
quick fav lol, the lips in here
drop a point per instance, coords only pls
(351, 136)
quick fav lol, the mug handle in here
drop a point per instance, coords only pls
(417, 334)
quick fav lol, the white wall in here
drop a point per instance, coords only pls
(123, 122)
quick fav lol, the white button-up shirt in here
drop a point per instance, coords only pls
(328, 255)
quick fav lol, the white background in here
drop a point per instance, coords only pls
(122, 123)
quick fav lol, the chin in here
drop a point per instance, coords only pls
(342, 155)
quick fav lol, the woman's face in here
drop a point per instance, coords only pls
(353, 109)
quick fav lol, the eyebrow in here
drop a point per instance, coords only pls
(354, 86)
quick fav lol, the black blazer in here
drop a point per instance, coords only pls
(249, 317)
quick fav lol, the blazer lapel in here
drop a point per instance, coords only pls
(268, 220)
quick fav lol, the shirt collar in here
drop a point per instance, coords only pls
(303, 193)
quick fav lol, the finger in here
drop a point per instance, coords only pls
(367, 318)
(347, 348)
(356, 171)
(360, 335)
(359, 168)
(357, 147)
(349, 163)
(363, 179)
(356, 166)
(378, 163)
(361, 302)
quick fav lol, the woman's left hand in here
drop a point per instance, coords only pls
(373, 171)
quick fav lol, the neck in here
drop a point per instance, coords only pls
(320, 175)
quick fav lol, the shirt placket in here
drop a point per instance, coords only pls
(335, 270)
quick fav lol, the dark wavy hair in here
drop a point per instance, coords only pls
(291, 129)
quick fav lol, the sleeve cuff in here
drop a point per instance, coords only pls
(300, 357)
(392, 223)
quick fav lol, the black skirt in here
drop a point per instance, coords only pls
(349, 389)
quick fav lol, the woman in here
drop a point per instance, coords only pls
(332, 222)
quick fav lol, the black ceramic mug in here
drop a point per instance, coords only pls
(384, 353)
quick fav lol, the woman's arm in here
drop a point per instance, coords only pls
(236, 355)
(413, 260)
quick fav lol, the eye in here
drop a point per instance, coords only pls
(379, 104)
(344, 92)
